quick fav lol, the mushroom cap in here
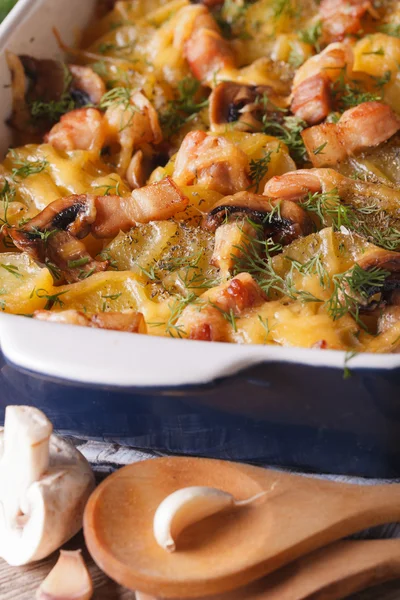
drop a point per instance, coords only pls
(232, 102)
(387, 260)
(284, 220)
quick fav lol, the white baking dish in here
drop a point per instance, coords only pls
(28, 29)
(286, 405)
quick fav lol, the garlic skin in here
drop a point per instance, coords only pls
(68, 580)
(187, 506)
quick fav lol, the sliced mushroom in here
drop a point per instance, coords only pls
(282, 220)
(139, 170)
(31, 80)
(243, 106)
(44, 485)
(52, 236)
(47, 81)
(129, 321)
(388, 261)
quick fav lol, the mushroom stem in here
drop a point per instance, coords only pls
(190, 505)
(68, 580)
(26, 454)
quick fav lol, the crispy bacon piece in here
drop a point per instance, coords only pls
(158, 201)
(206, 51)
(334, 60)
(312, 99)
(207, 321)
(241, 292)
(206, 324)
(129, 321)
(343, 17)
(214, 161)
(52, 234)
(80, 129)
(364, 126)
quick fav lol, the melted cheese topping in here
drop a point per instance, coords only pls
(162, 267)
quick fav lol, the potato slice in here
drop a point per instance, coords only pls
(140, 248)
(24, 286)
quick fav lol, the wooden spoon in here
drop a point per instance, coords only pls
(230, 549)
(330, 573)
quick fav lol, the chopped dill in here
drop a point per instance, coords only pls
(351, 287)
(312, 35)
(392, 29)
(53, 300)
(259, 169)
(12, 269)
(80, 262)
(289, 132)
(26, 168)
(54, 109)
(346, 372)
(184, 108)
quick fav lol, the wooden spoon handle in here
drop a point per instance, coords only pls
(331, 573)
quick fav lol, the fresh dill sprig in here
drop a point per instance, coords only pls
(53, 300)
(353, 287)
(176, 309)
(289, 132)
(283, 7)
(392, 29)
(54, 109)
(7, 195)
(313, 266)
(350, 94)
(110, 190)
(184, 108)
(346, 371)
(312, 35)
(26, 168)
(259, 169)
(255, 257)
(116, 97)
(228, 315)
(12, 269)
(331, 211)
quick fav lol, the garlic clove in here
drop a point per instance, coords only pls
(68, 580)
(187, 506)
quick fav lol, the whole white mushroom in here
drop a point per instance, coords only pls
(44, 486)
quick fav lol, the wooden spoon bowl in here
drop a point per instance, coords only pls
(230, 549)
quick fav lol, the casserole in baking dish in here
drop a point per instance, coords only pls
(310, 262)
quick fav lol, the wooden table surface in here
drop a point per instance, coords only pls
(21, 583)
